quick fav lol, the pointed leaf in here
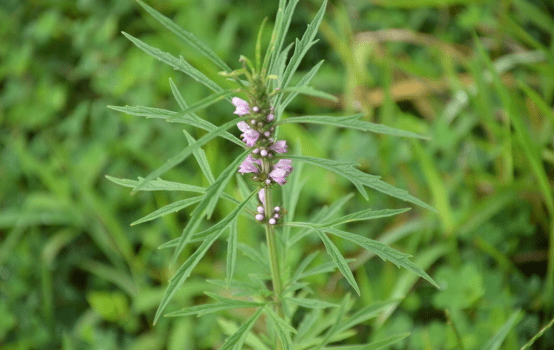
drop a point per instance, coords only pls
(302, 46)
(307, 90)
(282, 329)
(360, 179)
(311, 303)
(178, 97)
(363, 216)
(170, 208)
(237, 339)
(383, 251)
(303, 82)
(339, 260)
(181, 156)
(203, 103)
(170, 116)
(365, 314)
(177, 63)
(231, 252)
(353, 122)
(157, 185)
(186, 37)
(377, 345)
(184, 272)
(205, 309)
(201, 159)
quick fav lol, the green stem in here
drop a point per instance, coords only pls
(273, 258)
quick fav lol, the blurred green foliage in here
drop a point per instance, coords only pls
(74, 275)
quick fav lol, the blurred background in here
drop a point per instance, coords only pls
(476, 76)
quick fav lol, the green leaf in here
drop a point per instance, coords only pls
(333, 330)
(162, 185)
(303, 82)
(383, 251)
(255, 255)
(185, 270)
(177, 63)
(365, 314)
(360, 179)
(231, 252)
(311, 303)
(179, 158)
(337, 257)
(237, 339)
(282, 329)
(168, 209)
(345, 169)
(282, 24)
(171, 116)
(377, 345)
(177, 95)
(203, 103)
(212, 195)
(205, 309)
(186, 37)
(322, 214)
(215, 191)
(157, 185)
(353, 122)
(362, 216)
(496, 341)
(307, 90)
(303, 265)
(201, 159)
(302, 46)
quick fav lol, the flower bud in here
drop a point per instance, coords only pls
(272, 221)
(259, 217)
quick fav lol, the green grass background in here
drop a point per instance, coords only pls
(477, 77)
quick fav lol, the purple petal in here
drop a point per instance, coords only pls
(242, 106)
(261, 195)
(279, 146)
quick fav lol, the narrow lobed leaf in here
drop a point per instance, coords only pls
(339, 260)
(175, 117)
(181, 156)
(168, 209)
(353, 122)
(186, 37)
(363, 216)
(177, 63)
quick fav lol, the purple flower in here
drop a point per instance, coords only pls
(281, 170)
(242, 106)
(249, 165)
(270, 116)
(249, 135)
(279, 146)
(261, 195)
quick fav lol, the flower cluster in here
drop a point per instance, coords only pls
(259, 134)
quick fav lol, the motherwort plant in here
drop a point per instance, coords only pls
(263, 91)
